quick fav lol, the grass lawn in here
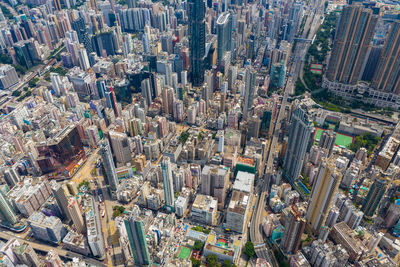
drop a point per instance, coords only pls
(341, 139)
(184, 253)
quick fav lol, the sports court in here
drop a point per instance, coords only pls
(341, 139)
(184, 253)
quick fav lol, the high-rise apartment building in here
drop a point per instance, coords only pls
(323, 193)
(300, 134)
(137, 240)
(109, 167)
(374, 196)
(214, 181)
(387, 74)
(168, 183)
(353, 37)
(197, 40)
(294, 228)
(120, 146)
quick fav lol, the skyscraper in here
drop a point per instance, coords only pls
(109, 167)
(294, 228)
(76, 216)
(374, 196)
(387, 74)
(249, 90)
(300, 133)
(354, 33)
(323, 192)
(120, 146)
(146, 91)
(168, 183)
(197, 40)
(224, 31)
(7, 213)
(137, 240)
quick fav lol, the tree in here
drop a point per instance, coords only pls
(228, 263)
(212, 260)
(249, 250)
(5, 59)
(195, 262)
(16, 93)
(198, 245)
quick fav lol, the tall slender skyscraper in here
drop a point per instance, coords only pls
(374, 196)
(7, 213)
(197, 40)
(224, 31)
(137, 240)
(387, 74)
(322, 195)
(109, 167)
(294, 228)
(249, 90)
(354, 33)
(168, 183)
(300, 133)
(60, 194)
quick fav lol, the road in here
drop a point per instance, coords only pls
(256, 233)
(45, 248)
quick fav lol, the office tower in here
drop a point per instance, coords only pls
(386, 77)
(26, 255)
(120, 146)
(7, 213)
(197, 40)
(61, 195)
(146, 91)
(94, 229)
(374, 196)
(327, 140)
(300, 135)
(109, 167)
(232, 75)
(294, 228)
(168, 183)
(354, 33)
(324, 190)
(131, 3)
(76, 216)
(11, 177)
(224, 31)
(137, 240)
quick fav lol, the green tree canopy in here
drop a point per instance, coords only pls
(249, 250)
(212, 260)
